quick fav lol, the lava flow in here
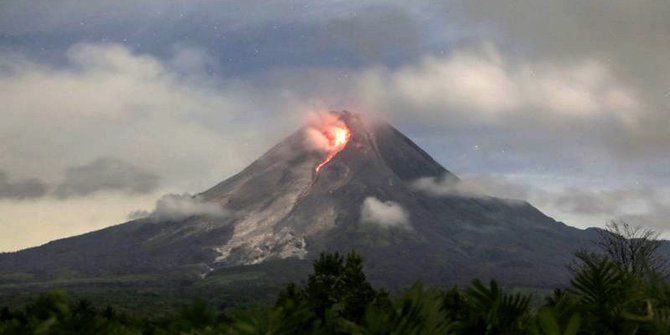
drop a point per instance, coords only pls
(338, 137)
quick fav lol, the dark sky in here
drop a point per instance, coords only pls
(107, 105)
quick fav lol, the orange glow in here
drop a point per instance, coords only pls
(341, 136)
(338, 137)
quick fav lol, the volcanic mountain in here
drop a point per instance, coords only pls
(338, 184)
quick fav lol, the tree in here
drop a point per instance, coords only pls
(492, 311)
(634, 249)
(357, 291)
(337, 285)
(547, 323)
(417, 311)
(324, 285)
(619, 290)
(604, 291)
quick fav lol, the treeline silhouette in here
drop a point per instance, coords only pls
(620, 288)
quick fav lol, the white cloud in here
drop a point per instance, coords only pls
(110, 101)
(473, 186)
(384, 213)
(480, 85)
(189, 130)
(180, 206)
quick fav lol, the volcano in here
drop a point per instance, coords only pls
(339, 184)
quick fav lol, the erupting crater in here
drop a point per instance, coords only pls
(338, 137)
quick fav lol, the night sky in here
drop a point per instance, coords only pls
(105, 106)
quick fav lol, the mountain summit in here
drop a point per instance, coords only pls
(301, 191)
(339, 183)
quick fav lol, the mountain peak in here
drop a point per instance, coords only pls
(306, 183)
(338, 183)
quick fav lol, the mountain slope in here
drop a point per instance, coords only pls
(279, 207)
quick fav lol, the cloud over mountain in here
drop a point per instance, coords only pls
(384, 213)
(180, 206)
(474, 186)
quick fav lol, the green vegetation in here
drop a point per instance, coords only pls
(620, 290)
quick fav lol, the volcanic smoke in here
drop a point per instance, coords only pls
(338, 137)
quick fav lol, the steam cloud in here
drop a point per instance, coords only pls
(315, 134)
(384, 213)
(181, 206)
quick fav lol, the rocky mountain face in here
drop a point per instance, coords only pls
(364, 198)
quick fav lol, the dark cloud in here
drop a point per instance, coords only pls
(626, 31)
(632, 37)
(380, 34)
(21, 189)
(106, 174)
(246, 37)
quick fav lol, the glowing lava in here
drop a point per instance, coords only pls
(338, 137)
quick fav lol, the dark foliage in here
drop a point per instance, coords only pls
(633, 249)
(614, 292)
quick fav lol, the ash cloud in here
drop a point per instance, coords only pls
(386, 214)
(180, 206)
(21, 189)
(106, 174)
